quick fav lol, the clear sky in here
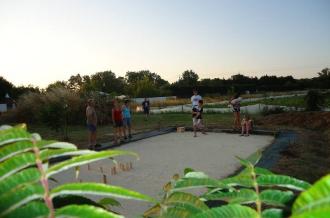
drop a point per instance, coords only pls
(42, 41)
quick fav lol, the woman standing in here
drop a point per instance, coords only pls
(235, 102)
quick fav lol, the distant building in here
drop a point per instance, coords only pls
(7, 104)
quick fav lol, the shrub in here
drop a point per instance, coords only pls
(253, 193)
(314, 101)
(51, 107)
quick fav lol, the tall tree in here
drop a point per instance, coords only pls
(75, 83)
(189, 78)
(57, 84)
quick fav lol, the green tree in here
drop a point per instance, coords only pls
(146, 81)
(106, 82)
(57, 84)
(145, 88)
(324, 78)
(189, 78)
(75, 83)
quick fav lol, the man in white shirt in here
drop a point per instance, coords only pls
(195, 98)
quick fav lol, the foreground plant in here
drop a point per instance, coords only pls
(25, 172)
(253, 193)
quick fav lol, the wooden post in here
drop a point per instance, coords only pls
(113, 171)
(104, 179)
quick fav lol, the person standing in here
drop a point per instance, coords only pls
(235, 102)
(127, 119)
(146, 107)
(198, 119)
(91, 123)
(195, 98)
(117, 120)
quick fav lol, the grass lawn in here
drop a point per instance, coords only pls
(296, 101)
(78, 133)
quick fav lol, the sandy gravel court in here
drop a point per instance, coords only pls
(164, 155)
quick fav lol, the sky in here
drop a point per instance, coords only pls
(42, 41)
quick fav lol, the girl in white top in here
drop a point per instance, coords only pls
(195, 99)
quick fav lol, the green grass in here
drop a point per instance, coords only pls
(295, 101)
(78, 133)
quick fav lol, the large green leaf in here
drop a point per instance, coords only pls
(16, 198)
(282, 181)
(255, 157)
(240, 180)
(109, 201)
(176, 212)
(195, 174)
(15, 164)
(153, 211)
(185, 200)
(84, 211)
(188, 183)
(84, 159)
(52, 153)
(323, 212)
(29, 175)
(98, 189)
(14, 148)
(14, 135)
(241, 196)
(228, 211)
(276, 197)
(272, 213)
(30, 210)
(316, 197)
(63, 145)
(257, 170)
(19, 147)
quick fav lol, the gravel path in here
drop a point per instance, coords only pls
(164, 155)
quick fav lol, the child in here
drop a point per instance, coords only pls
(146, 107)
(117, 120)
(246, 125)
(197, 118)
(127, 118)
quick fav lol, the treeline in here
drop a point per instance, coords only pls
(146, 83)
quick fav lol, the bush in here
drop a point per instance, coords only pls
(314, 101)
(51, 107)
(58, 106)
(253, 193)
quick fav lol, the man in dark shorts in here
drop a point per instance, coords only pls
(91, 121)
(146, 107)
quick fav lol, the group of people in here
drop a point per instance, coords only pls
(122, 118)
(244, 125)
